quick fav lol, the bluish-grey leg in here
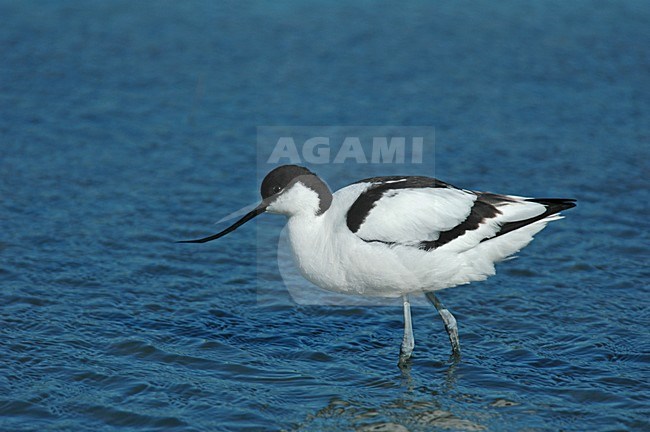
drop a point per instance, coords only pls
(450, 323)
(408, 343)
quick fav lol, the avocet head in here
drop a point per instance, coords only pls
(292, 189)
(289, 190)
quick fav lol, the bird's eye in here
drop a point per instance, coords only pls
(276, 189)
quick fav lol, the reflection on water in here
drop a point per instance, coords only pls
(418, 408)
(411, 415)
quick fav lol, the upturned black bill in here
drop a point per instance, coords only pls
(250, 215)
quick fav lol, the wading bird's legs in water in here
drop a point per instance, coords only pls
(408, 342)
(450, 323)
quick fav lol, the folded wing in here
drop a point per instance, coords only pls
(429, 214)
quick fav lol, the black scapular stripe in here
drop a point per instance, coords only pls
(359, 210)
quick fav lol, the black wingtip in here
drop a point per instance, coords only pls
(555, 205)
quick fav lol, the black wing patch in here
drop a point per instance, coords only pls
(485, 207)
(359, 210)
(481, 210)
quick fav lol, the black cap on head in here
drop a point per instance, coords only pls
(280, 177)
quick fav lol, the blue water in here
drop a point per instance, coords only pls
(127, 125)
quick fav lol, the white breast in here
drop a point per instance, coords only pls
(329, 255)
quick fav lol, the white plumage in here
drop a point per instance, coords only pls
(392, 236)
(381, 259)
